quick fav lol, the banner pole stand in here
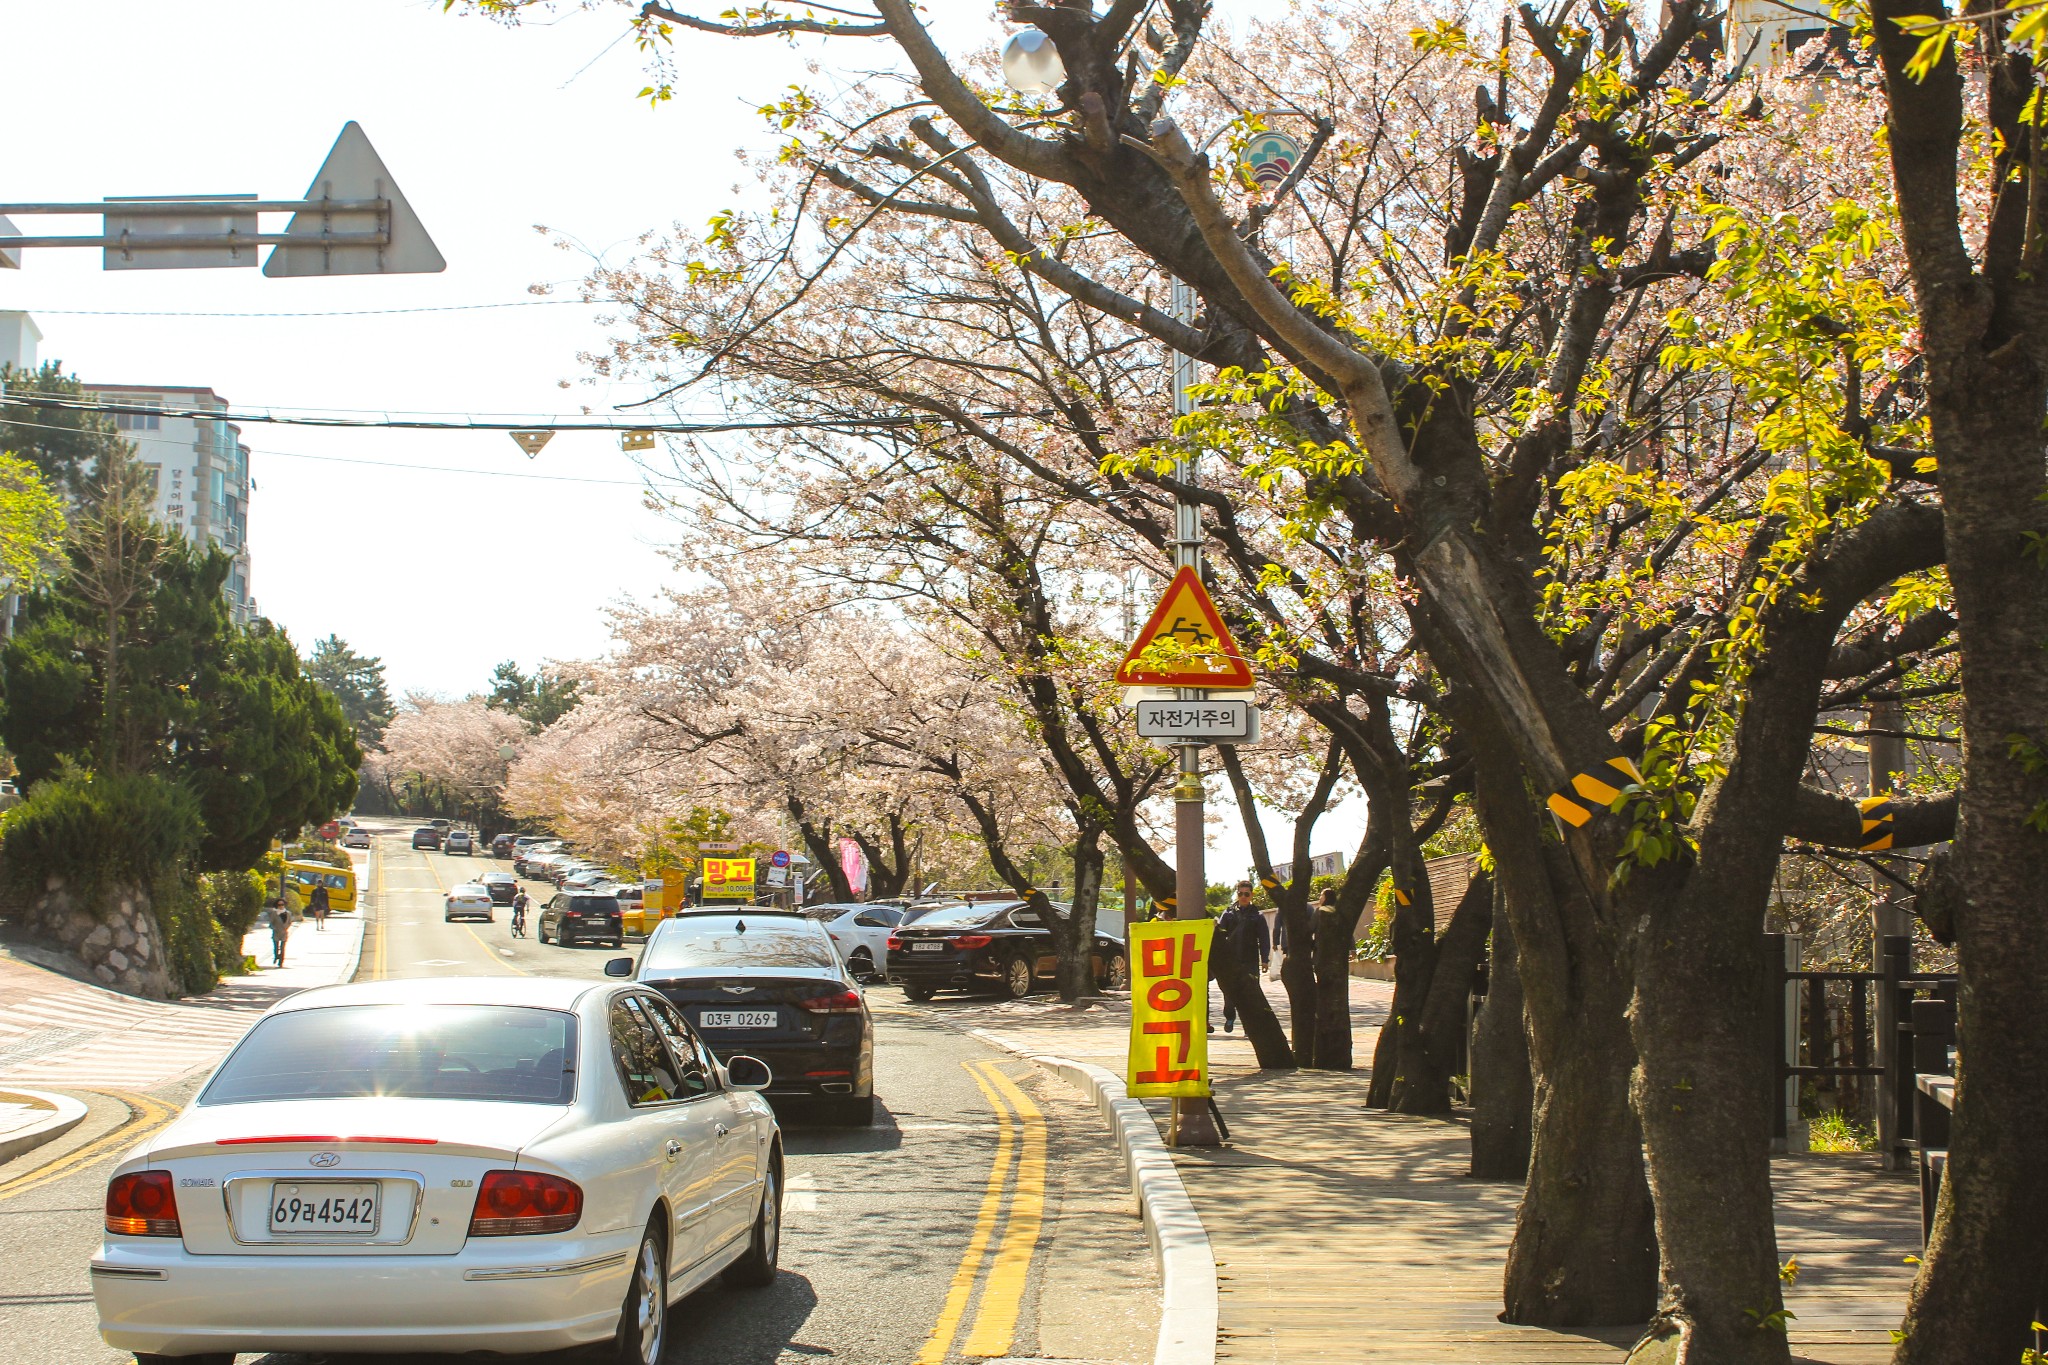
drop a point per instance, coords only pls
(1192, 1123)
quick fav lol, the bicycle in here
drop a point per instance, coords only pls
(519, 921)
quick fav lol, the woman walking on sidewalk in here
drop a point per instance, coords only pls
(317, 908)
(280, 930)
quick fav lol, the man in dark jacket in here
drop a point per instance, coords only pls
(1245, 929)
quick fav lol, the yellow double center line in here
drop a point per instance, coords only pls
(145, 1116)
(1020, 1139)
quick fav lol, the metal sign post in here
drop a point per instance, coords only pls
(353, 221)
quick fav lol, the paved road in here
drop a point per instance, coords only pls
(983, 1216)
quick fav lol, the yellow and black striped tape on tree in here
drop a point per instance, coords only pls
(1591, 792)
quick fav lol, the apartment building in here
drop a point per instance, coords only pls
(198, 469)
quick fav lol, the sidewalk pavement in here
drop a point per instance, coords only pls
(60, 1032)
(1347, 1233)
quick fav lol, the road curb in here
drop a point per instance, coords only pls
(66, 1114)
(1180, 1244)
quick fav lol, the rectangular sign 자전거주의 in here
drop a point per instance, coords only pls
(1170, 1008)
(1212, 722)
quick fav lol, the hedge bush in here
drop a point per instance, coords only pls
(93, 829)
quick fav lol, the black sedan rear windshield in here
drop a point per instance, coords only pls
(679, 947)
(510, 1054)
(595, 905)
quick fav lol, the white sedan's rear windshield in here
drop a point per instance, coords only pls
(510, 1054)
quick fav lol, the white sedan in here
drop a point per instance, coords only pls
(468, 901)
(460, 1164)
(862, 933)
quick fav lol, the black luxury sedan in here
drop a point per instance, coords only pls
(769, 984)
(990, 945)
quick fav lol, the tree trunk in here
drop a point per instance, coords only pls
(1332, 1040)
(818, 839)
(1076, 969)
(1240, 982)
(1585, 1247)
(1433, 1042)
(1500, 1064)
(1985, 1274)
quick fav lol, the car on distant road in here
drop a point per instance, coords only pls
(862, 933)
(470, 900)
(501, 847)
(442, 824)
(426, 836)
(769, 984)
(356, 838)
(542, 1164)
(591, 919)
(459, 841)
(990, 945)
(503, 886)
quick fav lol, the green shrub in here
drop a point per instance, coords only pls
(234, 899)
(92, 829)
(317, 851)
(1835, 1131)
(195, 946)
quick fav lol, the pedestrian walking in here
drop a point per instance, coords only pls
(317, 909)
(1243, 926)
(280, 930)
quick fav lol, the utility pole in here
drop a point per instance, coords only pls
(1190, 875)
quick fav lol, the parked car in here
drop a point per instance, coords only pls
(568, 918)
(589, 879)
(989, 945)
(769, 984)
(862, 933)
(503, 886)
(469, 901)
(426, 836)
(501, 847)
(508, 1202)
(356, 838)
(529, 861)
(459, 841)
(562, 869)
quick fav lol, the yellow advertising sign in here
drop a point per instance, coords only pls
(728, 878)
(1170, 1007)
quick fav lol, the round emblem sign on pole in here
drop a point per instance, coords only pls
(1269, 158)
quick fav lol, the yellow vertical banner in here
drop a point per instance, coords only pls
(1170, 1007)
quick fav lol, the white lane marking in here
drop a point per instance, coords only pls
(438, 962)
(505, 952)
(800, 1194)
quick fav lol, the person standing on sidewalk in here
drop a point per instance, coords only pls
(317, 908)
(280, 930)
(1245, 928)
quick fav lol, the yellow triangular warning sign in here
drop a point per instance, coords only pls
(532, 441)
(1185, 643)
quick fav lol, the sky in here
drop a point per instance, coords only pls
(443, 553)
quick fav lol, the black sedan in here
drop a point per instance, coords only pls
(769, 984)
(568, 918)
(503, 886)
(1001, 946)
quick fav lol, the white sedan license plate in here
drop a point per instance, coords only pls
(737, 1019)
(345, 1206)
(927, 947)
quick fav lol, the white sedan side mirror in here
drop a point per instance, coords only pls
(747, 1073)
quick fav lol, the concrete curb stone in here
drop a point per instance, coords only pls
(1180, 1244)
(66, 1114)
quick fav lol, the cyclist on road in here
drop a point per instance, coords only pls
(519, 914)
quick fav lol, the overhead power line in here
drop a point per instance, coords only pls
(530, 424)
(348, 313)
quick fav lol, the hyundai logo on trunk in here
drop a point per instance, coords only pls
(324, 1159)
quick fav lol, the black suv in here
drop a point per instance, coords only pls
(595, 918)
(769, 984)
(989, 945)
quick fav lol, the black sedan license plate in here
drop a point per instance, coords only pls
(927, 947)
(330, 1206)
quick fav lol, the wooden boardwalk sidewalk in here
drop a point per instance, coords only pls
(1348, 1234)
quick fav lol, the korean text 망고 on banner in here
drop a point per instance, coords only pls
(1170, 1007)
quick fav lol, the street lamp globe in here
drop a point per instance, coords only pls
(1031, 64)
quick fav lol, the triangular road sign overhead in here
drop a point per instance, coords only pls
(532, 441)
(354, 171)
(1185, 643)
